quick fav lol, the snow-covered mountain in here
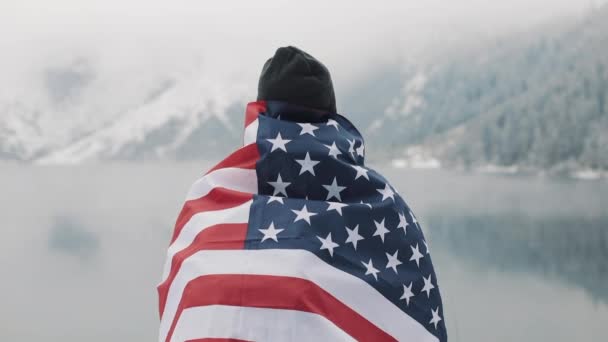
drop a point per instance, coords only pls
(535, 101)
(185, 119)
(75, 114)
(82, 110)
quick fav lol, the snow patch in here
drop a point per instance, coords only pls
(498, 169)
(410, 98)
(589, 174)
(416, 158)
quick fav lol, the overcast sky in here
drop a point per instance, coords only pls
(128, 47)
(346, 34)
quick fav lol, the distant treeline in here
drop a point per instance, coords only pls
(537, 100)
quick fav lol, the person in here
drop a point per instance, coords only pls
(292, 237)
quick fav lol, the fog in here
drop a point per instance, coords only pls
(518, 257)
(227, 42)
(232, 37)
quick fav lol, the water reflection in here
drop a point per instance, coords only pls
(518, 258)
(69, 237)
(484, 304)
(566, 249)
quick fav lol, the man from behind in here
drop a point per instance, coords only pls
(292, 237)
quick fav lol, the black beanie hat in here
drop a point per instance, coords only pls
(294, 76)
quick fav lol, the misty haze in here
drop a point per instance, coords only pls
(490, 119)
(84, 248)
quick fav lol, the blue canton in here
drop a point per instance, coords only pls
(316, 194)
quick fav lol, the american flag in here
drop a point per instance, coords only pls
(293, 238)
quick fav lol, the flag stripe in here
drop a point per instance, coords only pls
(200, 222)
(255, 324)
(348, 289)
(243, 158)
(287, 294)
(243, 180)
(217, 199)
(222, 282)
(251, 121)
(221, 236)
(251, 133)
(253, 110)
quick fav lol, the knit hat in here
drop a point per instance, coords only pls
(294, 76)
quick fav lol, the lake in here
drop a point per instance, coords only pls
(518, 258)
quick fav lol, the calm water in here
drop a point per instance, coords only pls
(518, 259)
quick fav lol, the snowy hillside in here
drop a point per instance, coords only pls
(79, 116)
(186, 119)
(529, 101)
(535, 101)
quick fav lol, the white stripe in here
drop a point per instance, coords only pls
(200, 222)
(255, 324)
(244, 180)
(350, 290)
(251, 133)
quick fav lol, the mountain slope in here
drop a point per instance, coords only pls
(188, 120)
(536, 102)
(79, 112)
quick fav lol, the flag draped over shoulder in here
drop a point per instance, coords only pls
(293, 238)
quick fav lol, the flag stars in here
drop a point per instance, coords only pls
(279, 186)
(307, 164)
(353, 236)
(332, 122)
(278, 143)
(361, 172)
(393, 261)
(275, 199)
(402, 223)
(328, 244)
(414, 221)
(333, 190)
(407, 294)
(381, 229)
(436, 318)
(387, 192)
(270, 233)
(333, 150)
(351, 147)
(361, 150)
(379, 210)
(365, 204)
(303, 214)
(308, 129)
(370, 269)
(428, 286)
(416, 255)
(337, 206)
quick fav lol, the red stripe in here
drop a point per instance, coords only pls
(221, 236)
(216, 199)
(253, 110)
(243, 158)
(286, 293)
